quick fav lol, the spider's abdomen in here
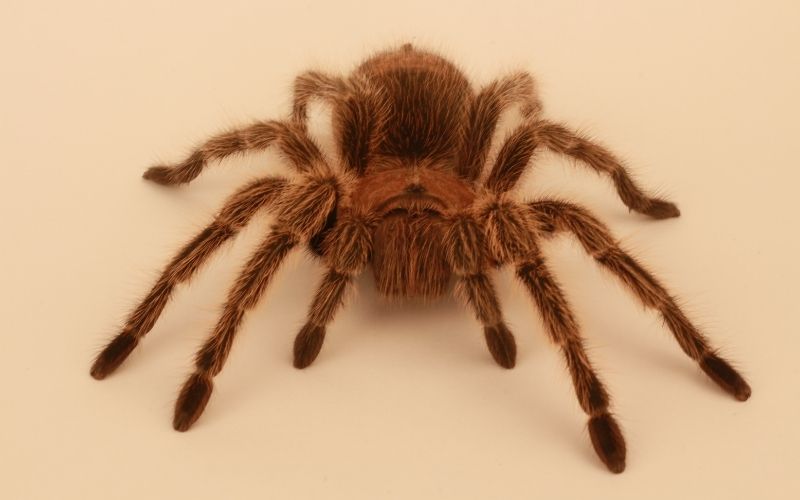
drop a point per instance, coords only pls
(425, 101)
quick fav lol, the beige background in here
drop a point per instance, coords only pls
(404, 402)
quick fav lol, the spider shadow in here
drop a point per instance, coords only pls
(467, 351)
(675, 364)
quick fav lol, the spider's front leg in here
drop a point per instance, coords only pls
(357, 113)
(511, 239)
(562, 327)
(302, 213)
(468, 257)
(239, 209)
(346, 249)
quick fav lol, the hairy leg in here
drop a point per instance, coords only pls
(245, 293)
(357, 119)
(484, 113)
(347, 250)
(562, 328)
(508, 228)
(598, 242)
(314, 85)
(516, 153)
(290, 138)
(232, 218)
(357, 113)
(466, 251)
(303, 212)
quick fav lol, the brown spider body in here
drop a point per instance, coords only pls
(411, 195)
(410, 202)
(411, 180)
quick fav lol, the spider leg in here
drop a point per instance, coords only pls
(358, 112)
(314, 85)
(239, 209)
(484, 113)
(518, 149)
(328, 299)
(356, 119)
(564, 141)
(245, 293)
(347, 250)
(482, 298)
(304, 212)
(290, 138)
(598, 242)
(467, 255)
(562, 327)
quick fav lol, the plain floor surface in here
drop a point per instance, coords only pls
(700, 99)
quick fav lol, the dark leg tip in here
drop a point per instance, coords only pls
(608, 442)
(98, 372)
(721, 372)
(661, 209)
(113, 355)
(501, 345)
(307, 344)
(159, 174)
(192, 401)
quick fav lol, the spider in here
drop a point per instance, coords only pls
(410, 195)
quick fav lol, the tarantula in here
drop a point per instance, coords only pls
(409, 196)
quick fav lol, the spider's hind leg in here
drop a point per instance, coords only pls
(291, 140)
(484, 114)
(516, 153)
(561, 140)
(358, 113)
(314, 85)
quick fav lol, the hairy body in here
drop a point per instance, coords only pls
(411, 194)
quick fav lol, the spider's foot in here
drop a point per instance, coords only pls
(501, 344)
(113, 355)
(192, 401)
(160, 175)
(661, 209)
(608, 442)
(725, 376)
(307, 344)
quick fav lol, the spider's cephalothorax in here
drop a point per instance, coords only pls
(411, 194)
